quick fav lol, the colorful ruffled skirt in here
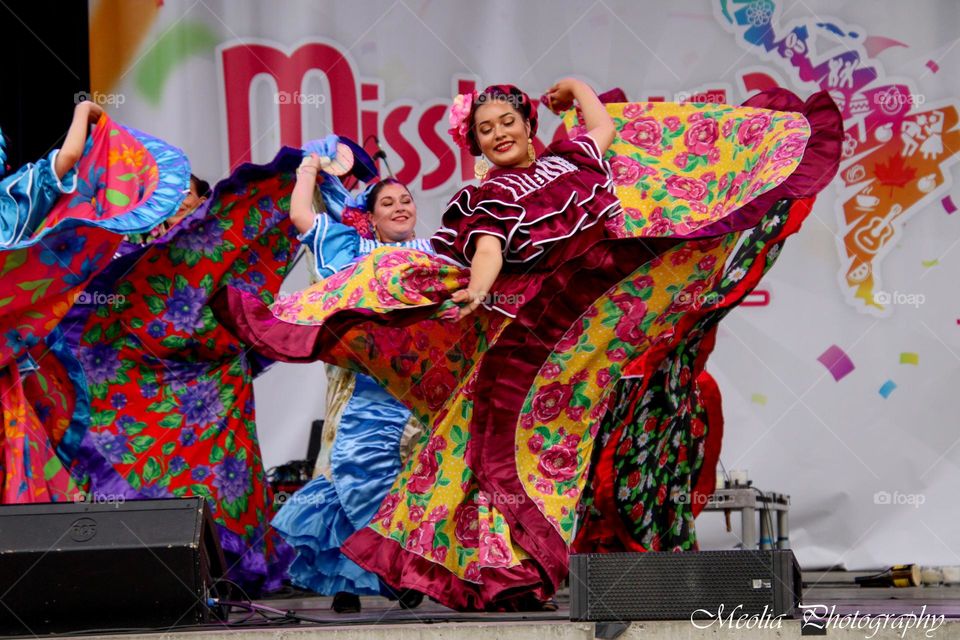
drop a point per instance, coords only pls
(492, 501)
(127, 182)
(170, 391)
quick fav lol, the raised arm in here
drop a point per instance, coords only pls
(301, 200)
(599, 125)
(484, 269)
(85, 114)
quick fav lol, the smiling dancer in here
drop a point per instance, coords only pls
(578, 270)
(366, 431)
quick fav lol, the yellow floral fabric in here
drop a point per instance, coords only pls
(677, 169)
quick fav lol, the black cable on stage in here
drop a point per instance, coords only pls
(283, 618)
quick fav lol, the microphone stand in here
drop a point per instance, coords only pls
(380, 154)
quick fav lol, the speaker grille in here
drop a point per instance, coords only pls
(672, 586)
(141, 564)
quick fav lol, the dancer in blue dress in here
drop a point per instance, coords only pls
(367, 432)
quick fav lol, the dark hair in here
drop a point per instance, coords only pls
(202, 186)
(377, 188)
(502, 93)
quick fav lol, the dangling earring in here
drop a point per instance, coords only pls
(531, 151)
(480, 169)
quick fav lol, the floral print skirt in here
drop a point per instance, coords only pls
(171, 401)
(499, 490)
(127, 181)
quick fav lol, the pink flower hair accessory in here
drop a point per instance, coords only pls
(460, 118)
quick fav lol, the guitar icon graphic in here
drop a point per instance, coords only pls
(878, 231)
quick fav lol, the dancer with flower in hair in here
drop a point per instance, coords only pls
(556, 276)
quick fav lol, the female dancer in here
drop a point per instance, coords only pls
(30, 193)
(571, 287)
(195, 196)
(366, 431)
(61, 219)
(169, 391)
(500, 125)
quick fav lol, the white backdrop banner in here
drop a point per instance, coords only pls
(839, 376)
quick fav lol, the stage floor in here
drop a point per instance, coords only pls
(383, 619)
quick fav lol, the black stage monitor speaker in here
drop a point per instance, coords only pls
(675, 586)
(81, 566)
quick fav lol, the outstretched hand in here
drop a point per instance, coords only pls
(469, 301)
(600, 126)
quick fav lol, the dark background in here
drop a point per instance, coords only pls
(46, 62)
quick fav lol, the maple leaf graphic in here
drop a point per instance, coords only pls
(895, 173)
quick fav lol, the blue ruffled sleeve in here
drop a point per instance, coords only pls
(27, 196)
(334, 245)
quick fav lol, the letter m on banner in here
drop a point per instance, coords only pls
(242, 62)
